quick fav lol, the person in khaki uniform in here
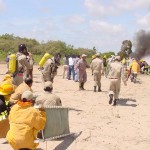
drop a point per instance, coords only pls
(97, 69)
(31, 62)
(49, 71)
(25, 86)
(82, 65)
(22, 65)
(116, 72)
(25, 122)
(47, 98)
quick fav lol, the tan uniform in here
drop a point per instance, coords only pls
(19, 91)
(116, 72)
(97, 67)
(48, 98)
(82, 65)
(49, 71)
(22, 65)
(30, 70)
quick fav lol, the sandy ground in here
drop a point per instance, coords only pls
(96, 124)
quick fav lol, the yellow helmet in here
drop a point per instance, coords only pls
(93, 56)
(105, 56)
(6, 89)
(6, 77)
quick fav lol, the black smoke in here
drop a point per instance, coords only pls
(142, 44)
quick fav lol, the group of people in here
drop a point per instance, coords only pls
(17, 100)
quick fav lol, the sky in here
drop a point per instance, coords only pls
(81, 23)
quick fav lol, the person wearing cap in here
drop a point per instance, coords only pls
(134, 69)
(25, 86)
(25, 122)
(48, 98)
(82, 65)
(116, 72)
(22, 65)
(97, 69)
(5, 91)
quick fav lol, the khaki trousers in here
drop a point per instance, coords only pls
(18, 79)
(115, 87)
(97, 79)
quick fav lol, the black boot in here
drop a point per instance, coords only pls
(111, 98)
(99, 89)
(82, 86)
(115, 102)
(94, 88)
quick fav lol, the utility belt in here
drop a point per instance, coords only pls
(20, 73)
(113, 78)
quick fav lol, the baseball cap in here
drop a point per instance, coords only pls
(27, 95)
(117, 58)
(48, 84)
(83, 55)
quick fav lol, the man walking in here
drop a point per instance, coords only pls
(97, 69)
(116, 72)
(82, 65)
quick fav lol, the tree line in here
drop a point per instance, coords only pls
(10, 42)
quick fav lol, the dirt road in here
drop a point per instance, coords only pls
(96, 124)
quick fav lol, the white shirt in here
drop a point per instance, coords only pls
(70, 61)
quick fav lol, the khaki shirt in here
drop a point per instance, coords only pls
(23, 63)
(19, 91)
(82, 65)
(48, 99)
(96, 65)
(50, 70)
(117, 71)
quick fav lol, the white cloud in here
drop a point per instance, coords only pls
(75, 19)
(144, 21)
(105, 27)
(2, 5)
(97, 8)
(113, 7)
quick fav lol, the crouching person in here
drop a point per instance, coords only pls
(25, 122)
(48, 98)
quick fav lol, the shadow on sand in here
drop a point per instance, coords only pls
(123, 102)
(67, 141)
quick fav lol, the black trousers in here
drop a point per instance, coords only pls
(3, 106)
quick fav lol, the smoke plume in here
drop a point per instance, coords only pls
(142, 44)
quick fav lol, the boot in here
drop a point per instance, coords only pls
(82, 86)
(111, 98)
(99, 89)
(115, 102)
(94, 88)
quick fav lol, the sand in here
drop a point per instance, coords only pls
(95, 124)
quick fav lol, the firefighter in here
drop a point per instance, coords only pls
(116, 72)
(134, 69)
(5, 92)
(25, 86)
(22, 65)
(48, 98)
(25, 122)
(49, 70)
(97, 69)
